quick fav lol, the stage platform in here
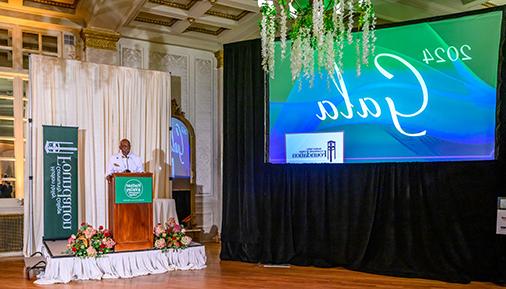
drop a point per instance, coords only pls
(63, 268)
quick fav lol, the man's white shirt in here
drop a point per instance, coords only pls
(120, 163)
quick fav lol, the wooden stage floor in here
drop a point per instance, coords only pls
(227, 274)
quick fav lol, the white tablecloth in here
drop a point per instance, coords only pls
(163, 209)
(122, 265)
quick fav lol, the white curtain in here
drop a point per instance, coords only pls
(107, 103)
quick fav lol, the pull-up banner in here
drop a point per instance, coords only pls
(60, 181)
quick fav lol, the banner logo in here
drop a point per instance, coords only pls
(60, 147)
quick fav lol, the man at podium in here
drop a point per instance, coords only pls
(130, 201)
(124, 161)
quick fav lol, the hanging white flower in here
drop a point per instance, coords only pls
(296, 58)
(307, 55)
(283, 30)
(359, 63)
(350, 20)
(372, 33)
(341, 32)
(315, 36)
(268, 35)
(365, 44)
(318, 28)
(368, 37)
(263, 36)
(271, 37)
(328, 47)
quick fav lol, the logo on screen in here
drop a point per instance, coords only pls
(331, 150)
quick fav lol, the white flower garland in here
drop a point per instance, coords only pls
(282, 30)
(268, 35)
(271, 37)
(350, 21)
(307, 53)
(326, 39)
(329, 49)
(318, 28)
(341, 32)
(263, 36)
(296, 58)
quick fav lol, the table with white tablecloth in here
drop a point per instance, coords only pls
(163, 209)
(115, 265)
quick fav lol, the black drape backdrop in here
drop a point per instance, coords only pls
(431, 220)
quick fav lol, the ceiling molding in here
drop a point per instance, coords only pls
(55, 3)
(148, 27)
(169, 22)
(101, 39)
(175, 4)
(251, 6)
(206, 31)
(488, 4)
(190, 39)
(39, 17)
(219, 58)
(206, 18)
(228, 16)
(164, 11)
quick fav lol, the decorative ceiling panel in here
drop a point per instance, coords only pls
(227, 12)
(203, 28)
(181, 4)
(71, 4)
(155, 19)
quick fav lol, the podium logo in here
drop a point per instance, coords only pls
(133, 189)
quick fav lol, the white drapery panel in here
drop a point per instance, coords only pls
(107, 103)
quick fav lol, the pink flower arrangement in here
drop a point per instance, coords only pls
(170, 236)
(90, 242)
(89, 232)
(159, 230)
(186, 240)
(160, 243)
(91, 251)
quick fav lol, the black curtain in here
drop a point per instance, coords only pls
(430, 220)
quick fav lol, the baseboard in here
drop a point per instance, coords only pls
(11, 254)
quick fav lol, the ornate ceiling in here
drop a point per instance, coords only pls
(205, 24)
(205, 17)
(52, 4)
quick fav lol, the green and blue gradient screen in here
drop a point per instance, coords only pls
(428, 94)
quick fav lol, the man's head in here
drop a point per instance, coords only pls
(124, 146)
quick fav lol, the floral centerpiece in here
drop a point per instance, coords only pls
(90, 242)
(170, 236)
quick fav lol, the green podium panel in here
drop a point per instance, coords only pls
(133, 189)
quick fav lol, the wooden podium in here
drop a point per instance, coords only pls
(131, 210)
